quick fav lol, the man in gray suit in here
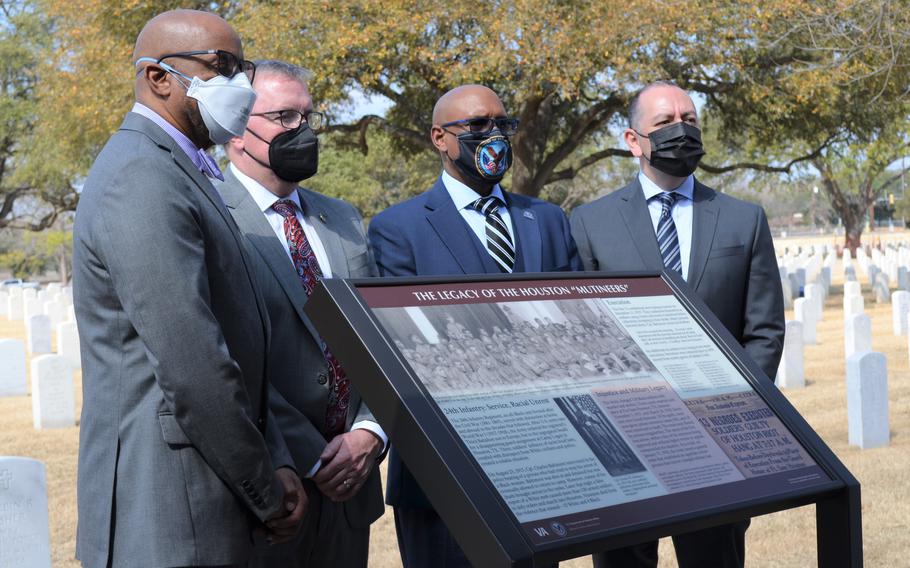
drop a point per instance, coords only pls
(720, 245)
(295, 237)
(177, 460)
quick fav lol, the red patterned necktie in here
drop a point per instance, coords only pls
(308, 270)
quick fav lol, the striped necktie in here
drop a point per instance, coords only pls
(499, 240)
(667, 239)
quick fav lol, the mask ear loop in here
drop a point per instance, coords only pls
(177, 74)
(255, 159)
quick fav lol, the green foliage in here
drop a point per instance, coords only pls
(28, 254)
(385, 176)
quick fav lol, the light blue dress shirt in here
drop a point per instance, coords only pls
(681, 213)
(463, 196)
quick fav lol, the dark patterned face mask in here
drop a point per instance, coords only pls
(484, 156)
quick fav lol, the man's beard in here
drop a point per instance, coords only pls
(200, 131)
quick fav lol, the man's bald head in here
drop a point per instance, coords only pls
(172, 34)
(467, 101)
(184, 30)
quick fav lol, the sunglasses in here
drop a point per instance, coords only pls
(227, 64)
(482, 125)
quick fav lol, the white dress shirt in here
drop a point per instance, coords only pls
(681, 213)
(264, 200)
(463, 196)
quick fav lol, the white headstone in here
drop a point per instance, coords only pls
(54, 287)
(38, 334)
(24, 528)
(816, 295)
(43, 296)
(14, 308)
(56, 311)
(32, 307)
(788, 293)
(53, 402)
(852, 289)
(29, 294)
(4, 300)
(900, 302)
(867, 400)
(790, 374)
(71, 313)
(68, 343)
(15, 291)
(804, 311)
(853, 305)
(857, 334)
(12, 368)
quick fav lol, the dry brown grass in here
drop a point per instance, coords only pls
(782, 539)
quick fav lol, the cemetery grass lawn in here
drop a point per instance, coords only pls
(784, 539)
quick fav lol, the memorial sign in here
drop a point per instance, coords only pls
(548, 419)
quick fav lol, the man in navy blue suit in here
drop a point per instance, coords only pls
(465, 224)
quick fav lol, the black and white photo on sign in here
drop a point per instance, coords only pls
(600, 434)
(496, 347)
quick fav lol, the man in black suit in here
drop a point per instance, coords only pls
(721, 247)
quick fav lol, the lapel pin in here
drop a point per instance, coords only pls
(323, 217)
(528, 214)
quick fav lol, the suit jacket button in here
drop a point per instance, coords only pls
(261, 422)
(322, 378)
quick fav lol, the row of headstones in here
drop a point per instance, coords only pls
(867, 377)
(17, 307)
(24, 520)
(794, 285)
(38, 332)
(867, 383)
(53, 401)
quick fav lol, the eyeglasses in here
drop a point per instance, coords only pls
(482, 125)
(227, 63)
(291, 119)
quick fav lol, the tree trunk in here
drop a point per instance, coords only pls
(63, 268)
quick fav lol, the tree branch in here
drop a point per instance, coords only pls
(589, 121)
(417, 138)
(767, 167)
(589, 160)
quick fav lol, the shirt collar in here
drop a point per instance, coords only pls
(463, 196)
(650, 189)
(198, 156)
(263, 197)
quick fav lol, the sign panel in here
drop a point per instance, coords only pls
(580, 400)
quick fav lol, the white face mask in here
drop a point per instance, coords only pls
(225, 104)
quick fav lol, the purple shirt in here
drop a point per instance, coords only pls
(200, 158)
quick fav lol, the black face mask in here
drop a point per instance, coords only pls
(485, 156)
(293, 155)
(676, 149)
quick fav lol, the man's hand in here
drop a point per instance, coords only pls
(346, 462)
(283, 527)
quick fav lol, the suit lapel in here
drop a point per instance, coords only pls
(262, 238)
(527, 233)
(704, 225)
(634, 211)
(322, 220)
(452, 230)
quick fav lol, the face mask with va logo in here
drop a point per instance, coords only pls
(484, 157)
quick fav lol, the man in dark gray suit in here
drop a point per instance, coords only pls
(720, 245)
(292, 231)
(177, 462)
